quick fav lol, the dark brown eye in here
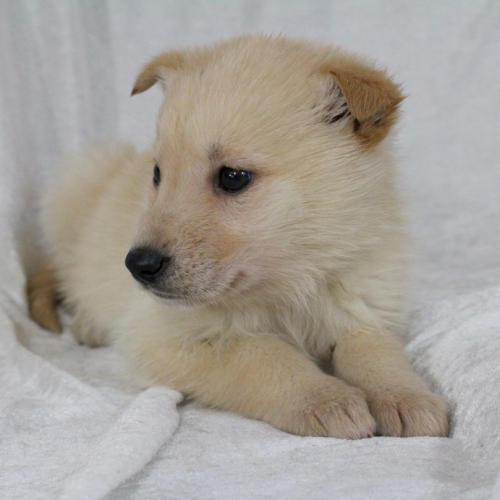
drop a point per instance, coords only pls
(232, 180)
(156, 175)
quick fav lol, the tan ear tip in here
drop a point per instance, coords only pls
(143, 84)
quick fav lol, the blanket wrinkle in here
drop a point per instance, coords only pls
(114, 459)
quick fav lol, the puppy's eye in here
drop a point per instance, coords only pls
(156, 175)
(232, 180)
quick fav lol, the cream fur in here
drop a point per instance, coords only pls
(306, 267)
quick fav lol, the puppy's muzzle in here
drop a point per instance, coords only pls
(147, 265)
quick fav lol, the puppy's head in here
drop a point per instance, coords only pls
(267, 168)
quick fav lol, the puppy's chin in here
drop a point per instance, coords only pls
(188, 301)
(173, 300)
(180, 303)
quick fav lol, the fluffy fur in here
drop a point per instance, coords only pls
(304, 268)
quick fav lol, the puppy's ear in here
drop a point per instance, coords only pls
(366, 94)
(158, 70)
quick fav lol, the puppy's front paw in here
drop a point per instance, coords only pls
(334, 410)
(408, 413)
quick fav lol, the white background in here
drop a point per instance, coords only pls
(66, 71)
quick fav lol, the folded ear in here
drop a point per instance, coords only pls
(158, 70)
(366, 94)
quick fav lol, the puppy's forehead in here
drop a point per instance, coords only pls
(239, 96)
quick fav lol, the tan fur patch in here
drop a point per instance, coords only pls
(43, 298)
(373, 98)
(155, 70)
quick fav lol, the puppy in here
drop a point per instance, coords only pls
(263, 239)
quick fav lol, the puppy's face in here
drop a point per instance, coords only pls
(257, 164)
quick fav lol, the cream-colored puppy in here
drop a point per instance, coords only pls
(264, 235)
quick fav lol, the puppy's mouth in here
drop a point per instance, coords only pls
(167, 296)
(211, 295)
(237, 281)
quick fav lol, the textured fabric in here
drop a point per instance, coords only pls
(71, 428)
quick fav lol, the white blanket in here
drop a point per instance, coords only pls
(70, 428)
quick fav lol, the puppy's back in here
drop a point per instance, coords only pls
(89, 217)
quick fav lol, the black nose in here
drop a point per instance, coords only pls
(146, 264)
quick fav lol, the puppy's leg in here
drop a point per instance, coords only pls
(43, 298)
(264, 378)
(398, 398)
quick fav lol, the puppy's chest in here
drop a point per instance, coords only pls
(313, 330)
